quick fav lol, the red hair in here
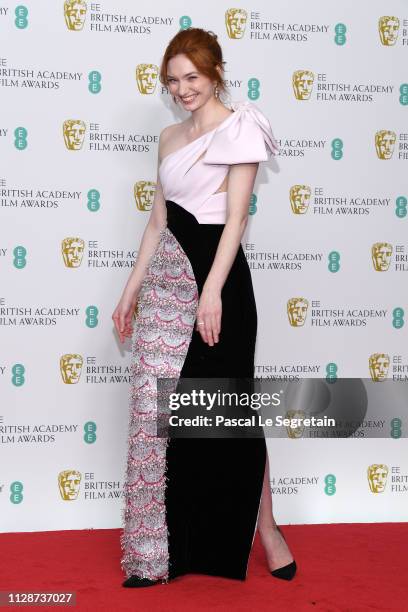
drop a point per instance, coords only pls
(202, 49)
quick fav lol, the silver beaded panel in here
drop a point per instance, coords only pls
(163, 327)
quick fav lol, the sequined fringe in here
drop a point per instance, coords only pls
(164, 323)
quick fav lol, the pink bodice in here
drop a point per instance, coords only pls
(192, 174)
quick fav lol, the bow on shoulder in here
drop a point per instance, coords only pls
(244, 137)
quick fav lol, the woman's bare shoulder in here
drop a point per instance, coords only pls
(169, 137)
(173, 129)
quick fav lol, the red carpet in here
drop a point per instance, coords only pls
(340, 567)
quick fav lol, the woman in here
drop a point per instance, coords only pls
(192, 505)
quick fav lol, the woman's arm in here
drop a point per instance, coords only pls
(150, 238)
(123, 313)
(241, 181)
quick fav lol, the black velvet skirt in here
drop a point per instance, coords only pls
(214, 485)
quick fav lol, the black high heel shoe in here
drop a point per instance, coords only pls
(288, 571)
(136, 581)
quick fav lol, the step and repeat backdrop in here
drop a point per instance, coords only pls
(81, 112)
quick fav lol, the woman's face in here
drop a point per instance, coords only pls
(190, 87)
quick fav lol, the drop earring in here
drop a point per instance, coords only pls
(216, 92)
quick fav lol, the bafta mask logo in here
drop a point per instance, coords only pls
(68, 483)
(74, 134)
(388, 28)
(377, 477)
(72, 251)
(146, 77)
(385, 143)
(235, 22)
(295, 432)
(297, 311)
(144, 194)
(302, 81)
(378, 364)
(381, 253)
(300, 198)
(75, 14)
(71, 368)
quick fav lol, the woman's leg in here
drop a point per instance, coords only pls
(276, 549)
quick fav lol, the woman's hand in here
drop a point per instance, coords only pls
(208, 321)
(123, 315)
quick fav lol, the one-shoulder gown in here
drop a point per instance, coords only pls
(191, 505)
